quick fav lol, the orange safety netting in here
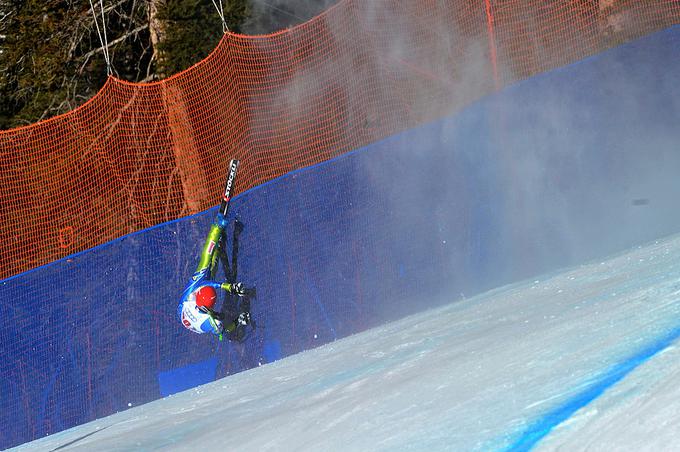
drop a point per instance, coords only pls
(140, 154)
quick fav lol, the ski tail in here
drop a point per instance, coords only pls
(228, 188)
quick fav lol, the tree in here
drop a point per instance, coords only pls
(51, 58)
(186, 31)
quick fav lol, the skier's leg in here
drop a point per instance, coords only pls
(224, 259)
(238, 227)
(208, 253)
(216, 259)
(230, 269)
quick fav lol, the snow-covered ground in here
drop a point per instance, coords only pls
(583, 359)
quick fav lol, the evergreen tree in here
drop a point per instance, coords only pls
(51, 58)
(35, 63)
(191, 29)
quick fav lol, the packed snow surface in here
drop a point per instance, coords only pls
(583, 359)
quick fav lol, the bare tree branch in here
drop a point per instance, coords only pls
(107, 9)
(112, 44)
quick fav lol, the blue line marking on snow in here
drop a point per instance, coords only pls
(541, 428)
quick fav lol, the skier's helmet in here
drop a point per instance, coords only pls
(206, 297)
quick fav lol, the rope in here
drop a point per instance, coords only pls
(102, 36)
(276, 8)
(220, 12)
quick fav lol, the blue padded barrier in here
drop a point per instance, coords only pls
(568, 166)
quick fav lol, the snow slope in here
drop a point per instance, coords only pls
(583, 359)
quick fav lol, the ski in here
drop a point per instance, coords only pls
(231, 177)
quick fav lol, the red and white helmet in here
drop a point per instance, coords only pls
(206, 297)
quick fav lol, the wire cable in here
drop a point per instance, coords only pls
(220, 12)
(102, 36)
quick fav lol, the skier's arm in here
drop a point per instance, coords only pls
(230, 288)
(213, 324)
(233, 288)
(216, 330)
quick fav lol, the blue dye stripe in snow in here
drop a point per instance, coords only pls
(542, 427)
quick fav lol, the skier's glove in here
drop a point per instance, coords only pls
(243, 319)
(238, 289)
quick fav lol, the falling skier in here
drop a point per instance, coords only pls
(196, 309)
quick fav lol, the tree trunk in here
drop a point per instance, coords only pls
(157, 30)
(187, 158)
